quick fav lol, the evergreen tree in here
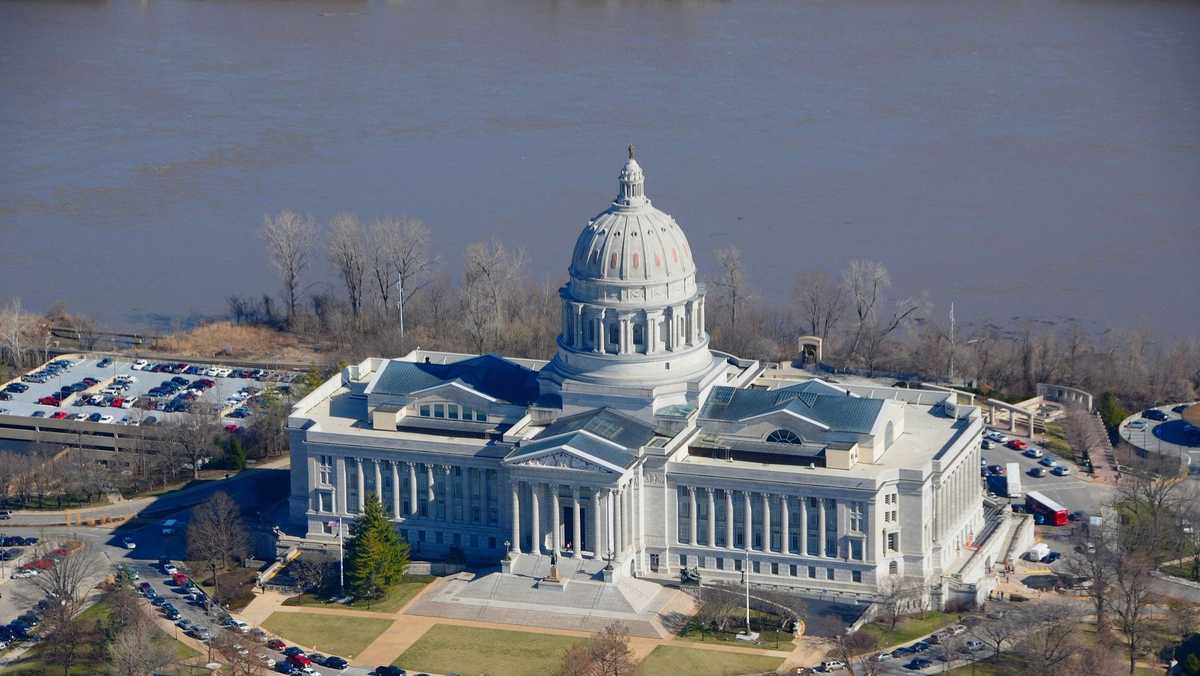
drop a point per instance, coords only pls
(376, 556)
(235, 454)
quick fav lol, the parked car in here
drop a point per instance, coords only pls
(1038, 472)
(1060, 470)
(1048, 462)
(335, 662)
(996, 469)
(1154, 414)
(276, 644)
(1017, 444)
(918, 663)
(1033, 453)
(987, 444)
(974, 644)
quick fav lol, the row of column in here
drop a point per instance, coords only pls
(411, 470)
(765, 500)
(684, 327)
(613, 527)
(958, 493)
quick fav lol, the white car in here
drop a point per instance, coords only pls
(22, 573)
(129, 543)
(974, 644)
(170, 569)
(210, 372)
(140, 364)
(105, 419)
(1137, 425)
(224, 373)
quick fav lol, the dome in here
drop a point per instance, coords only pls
(632, 241)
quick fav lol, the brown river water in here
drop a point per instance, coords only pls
(1022, 159)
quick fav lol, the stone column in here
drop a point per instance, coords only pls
(766, 499)
(729, 518)
(692, 522)
(622, 334)
(599, 542)
(342, 485)
(535, 526)
(576, 533)
(378, 480)
(515, 545)
(619, 520)
(610, 513)
(412, 488)
(748, 519)
(362, 484)
(395, 490)
(555, 520)
(577, 324)
(712, 517)
(670, 337)
(600, 336)
(821, 527)
(430, 494)
(803, 525)
(784, 526)
(652, 332)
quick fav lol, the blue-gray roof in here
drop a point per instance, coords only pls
(491, 375)
(577, 431)
(812, 399)
(619, 428)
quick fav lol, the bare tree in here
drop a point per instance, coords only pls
(1000, 632)
(898, 595)
(490, 273)
(71, 578)
(1050, 639)
(235, 653)
(730, 281)
(865, 283)
(192, 436)
(290, 238)
(1096, 568)
(132, 651)
(216, 536)
(347, 253)
(1132, 600)
(400, 255)
(16, 329)
(604, 654)
(822, 302)
(857, 650)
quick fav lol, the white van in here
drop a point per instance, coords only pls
(832, 665)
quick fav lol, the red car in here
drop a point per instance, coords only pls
(117, 403)
(179, 579)
(49, 401)
(232, 428)
(59, 415)
(276, 644)
(1017, 445)
(300, 661)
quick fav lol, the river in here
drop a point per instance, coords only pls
(1021, 159)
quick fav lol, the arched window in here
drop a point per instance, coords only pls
(782, 436)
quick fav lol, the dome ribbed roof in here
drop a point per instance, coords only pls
(632, 241)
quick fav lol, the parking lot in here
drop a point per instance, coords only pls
(1074, 491)
(124, 392)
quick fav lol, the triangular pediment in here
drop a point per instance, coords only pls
(583, 455)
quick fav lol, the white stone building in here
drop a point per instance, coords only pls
(639, 445)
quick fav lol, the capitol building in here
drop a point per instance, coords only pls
(638, 451)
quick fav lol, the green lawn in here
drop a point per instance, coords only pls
(469, 651)
(696, 662)
(330, 634)
(909, 628)
(395, 599)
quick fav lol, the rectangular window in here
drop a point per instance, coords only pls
(424, 410)
(758, 540)
(737, 564)
(326, 473)
(325, 501)
(327, 527)
(856, 550)
(774, 568)
(452, 411)
(856, 517)
(720, 563)
(421, 536)
(893, 542)
(439, 410)
(683, 560)
(404, 535)
(793, 570)
(812, 571)
(480, 416)
(614, 333)
(757, 565)
(828, 573)
(856, 575)
(491, 542)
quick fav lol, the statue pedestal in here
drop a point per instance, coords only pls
(506, 565)
(553, 581)
(608, 573)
